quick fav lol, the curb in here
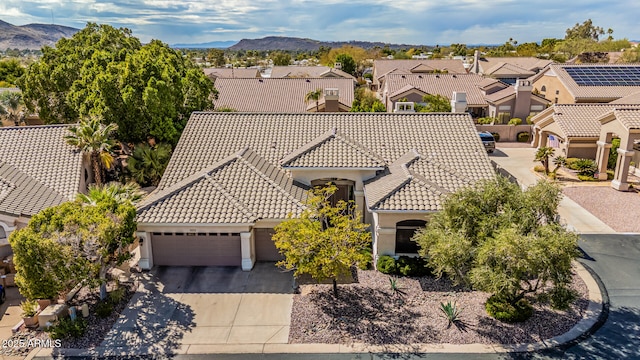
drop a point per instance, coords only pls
(594, 317)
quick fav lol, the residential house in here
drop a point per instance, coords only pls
(484, 97)
(231, 73)
(38, 169)
(309, 72)
(234, 176)
(508, 69)
(384, 67)
(284, 94)
(587, 130)
(587, 83)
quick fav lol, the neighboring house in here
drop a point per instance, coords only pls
(38, 169)
(284, 95)
(586, 131)
(587, 83)
(230, 73)
(484, 97)
(233, 177)
(309, 72)
(384, 67)
(508, 69)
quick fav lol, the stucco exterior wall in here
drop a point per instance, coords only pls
(553, 85)
(508, 133)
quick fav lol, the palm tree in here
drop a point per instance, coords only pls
(147, 163)
(543, 154)
(112, 192)
(313, 95)
(11, 106)
(92, 138)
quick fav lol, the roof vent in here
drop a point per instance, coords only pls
(273, 145)
(404, 77)
(308, 80)
(260, 80)
(419, 76)
(437, 76)
(454, 76)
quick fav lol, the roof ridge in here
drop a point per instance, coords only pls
(359, 147)
(265, 176)
(237, 204)
(450, 171)
(317, 141)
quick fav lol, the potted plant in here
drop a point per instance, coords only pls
(29, 312)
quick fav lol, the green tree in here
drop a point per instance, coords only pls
(280, 58)
(458, 49)
(481, 226)
(93, 138)
(543, 154)
(113, 192)
(12, 107)
(147, 163)
(366, 100)
(313, 95)
(216, 57)
(10, 71)
(348, 64)
(326, 240)
(148, 91)
(435, 103)
(586, 30)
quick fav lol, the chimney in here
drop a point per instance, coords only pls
(522, 109)
(337, 66)
(459, 102)
(331, 103)
(476, 62)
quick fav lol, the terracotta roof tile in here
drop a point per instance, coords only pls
(276, 95)
(441, 84)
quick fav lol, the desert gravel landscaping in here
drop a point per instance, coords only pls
(368, 312)
(609, 205)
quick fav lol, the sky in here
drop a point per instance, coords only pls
(417, 22)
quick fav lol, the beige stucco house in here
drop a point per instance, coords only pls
(38, 169)
(384, 67)
(507, 69)
(234, 176)
(284, 94)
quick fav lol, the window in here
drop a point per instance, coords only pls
(543, 88)
(404, 232)
(557, 92)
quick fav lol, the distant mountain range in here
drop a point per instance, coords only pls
(32, 36)
(286, 43)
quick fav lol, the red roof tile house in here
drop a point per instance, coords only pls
(38, 169)
(234, 176)
(284, 94)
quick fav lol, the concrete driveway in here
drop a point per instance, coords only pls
(181, 307)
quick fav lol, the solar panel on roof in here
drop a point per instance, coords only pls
(604, 75)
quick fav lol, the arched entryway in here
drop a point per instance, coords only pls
(404, 232)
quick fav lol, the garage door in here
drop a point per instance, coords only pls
(265, 248)
(201, 249)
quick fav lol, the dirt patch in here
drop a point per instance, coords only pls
(369, 312)
(613, 207)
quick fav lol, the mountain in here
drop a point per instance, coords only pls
(32, 36)
(293, 43)
(208, 45)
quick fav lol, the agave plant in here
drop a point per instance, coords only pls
(395, 289)
(451, 312)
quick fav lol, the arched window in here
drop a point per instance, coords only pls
(543, 88)
(404, 232)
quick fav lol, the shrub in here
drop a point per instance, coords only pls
(613, 153)
(496, 136)
(29, 308)
(104, 309)
(529, 121)
(503, 310)
(67, 328)
(515, 121)
(571, 163)
(396, 290)
(450, 311)
(561, 297)
(586, 177)
(485, 120)
(523, 136)
(411, 266)
(386, 264)
(610, 174)
(586, 167)
(538, 168)
(365, 265)
(116, 296)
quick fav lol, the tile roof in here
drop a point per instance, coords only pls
(628, 117)
(441, 84)
(241, 188)
(21, 194)
(333, 149)
(219, 73)
(384, 67)
(276, 95)
(308, 72)
(599, 93)
(509, 70)
(577, 120)
(212, 150)
(526, 63)
(629, 99)
(38, 155)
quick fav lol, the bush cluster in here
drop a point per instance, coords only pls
(585, 167)
(66, 328)
(486, 120)
(515, 121)
(523, 136)
(404, 266)
(501, 309)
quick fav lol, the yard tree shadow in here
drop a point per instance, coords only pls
(371, 316)
(153, 323)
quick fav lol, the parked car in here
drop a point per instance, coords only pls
(488, 141)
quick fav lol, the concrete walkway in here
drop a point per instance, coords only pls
(518, 162)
